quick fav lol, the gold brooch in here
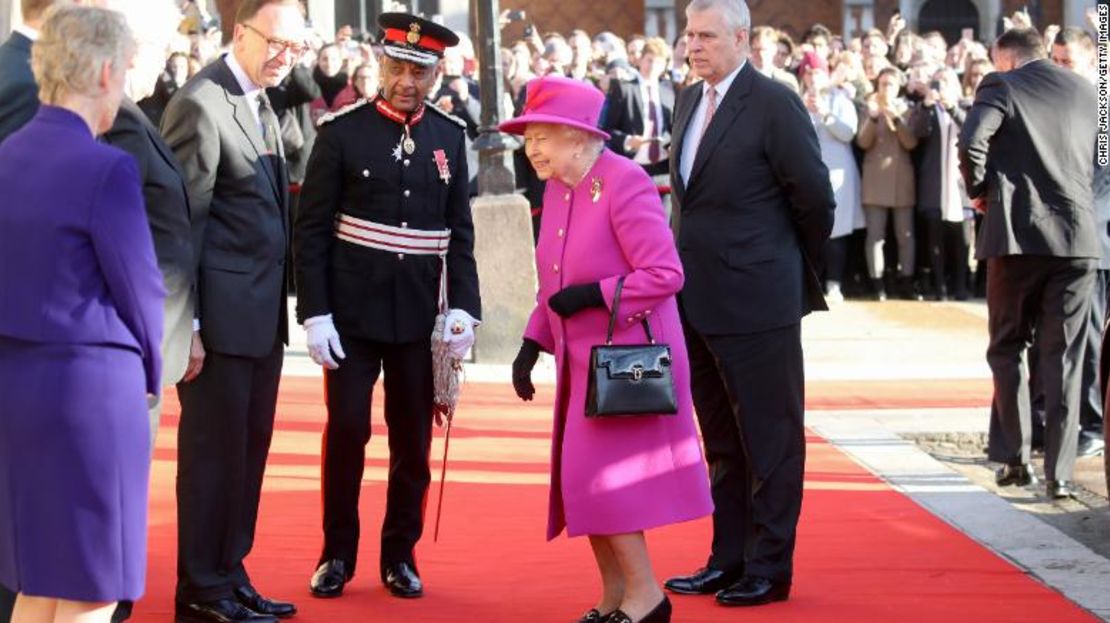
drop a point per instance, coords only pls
(414, 34)
(595, 189)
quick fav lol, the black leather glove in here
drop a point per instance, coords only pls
(522, 369)
(573, 299)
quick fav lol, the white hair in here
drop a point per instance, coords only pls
(736, 12)
(75, 44)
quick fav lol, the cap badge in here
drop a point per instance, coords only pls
(413, 36)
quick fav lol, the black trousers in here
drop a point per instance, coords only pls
(749, 395)
(945, 245)
(1050, 298)
(1090, 401)
(227, 422)
(408, 414)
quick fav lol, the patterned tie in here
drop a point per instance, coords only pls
(655, 152)
(710, 110)
(271, 127)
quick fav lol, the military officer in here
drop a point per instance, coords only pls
(383, 242)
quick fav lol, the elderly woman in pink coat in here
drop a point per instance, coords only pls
(612, 478)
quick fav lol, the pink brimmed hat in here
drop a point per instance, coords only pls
(559, 100)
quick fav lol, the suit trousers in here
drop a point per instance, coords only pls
(749, 395)
(409, 394)
(1048, 297)
(227, 422)
(1091, 397)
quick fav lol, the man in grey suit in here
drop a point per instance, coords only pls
(753, 208)
(225, 134)
(1026, 155)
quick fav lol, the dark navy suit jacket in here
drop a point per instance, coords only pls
(19, 95)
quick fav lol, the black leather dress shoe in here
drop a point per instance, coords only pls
(401, 580)
(222, 611)
(251, 599)
(658, 614)
(704, 581)
(1020, 475)
(330, 578)
(754, 591)
(1059, 490)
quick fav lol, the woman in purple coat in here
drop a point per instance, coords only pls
(611, 478)
(80, 327)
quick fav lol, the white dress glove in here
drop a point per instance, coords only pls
(323, 340)
(458, 332)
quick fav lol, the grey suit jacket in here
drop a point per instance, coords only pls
(239, 200)
(167, 211)
(19, 95)
(1027, 147)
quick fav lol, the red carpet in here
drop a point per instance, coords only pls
(865, 552)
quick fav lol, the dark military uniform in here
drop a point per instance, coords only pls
(383, 303)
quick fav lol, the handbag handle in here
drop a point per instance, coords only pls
(613, 315)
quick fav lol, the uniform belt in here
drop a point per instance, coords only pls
(398, 240)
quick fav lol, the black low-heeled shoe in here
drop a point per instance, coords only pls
(659, 614)
(595, 616)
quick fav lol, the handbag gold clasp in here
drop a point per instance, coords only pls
(637, 373)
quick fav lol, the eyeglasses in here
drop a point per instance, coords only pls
(277, 47)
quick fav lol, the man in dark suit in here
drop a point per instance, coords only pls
(640, 113)
(226, 137)
(19, 95)
(1027, 161)
(753, 208)
(19, 100)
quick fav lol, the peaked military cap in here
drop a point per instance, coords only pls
(417, 40)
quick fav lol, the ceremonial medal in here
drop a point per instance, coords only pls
(595, 189)
(441, 164)
(410, 145)
(397, 151)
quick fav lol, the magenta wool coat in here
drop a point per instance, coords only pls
(615, 475)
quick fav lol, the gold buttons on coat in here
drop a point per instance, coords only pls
(561, 232)
(366, 173)
(555, 268)
(407, 193)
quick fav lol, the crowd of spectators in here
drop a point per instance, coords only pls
(887, 105)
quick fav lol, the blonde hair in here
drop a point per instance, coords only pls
(658, 48)
(75, 43)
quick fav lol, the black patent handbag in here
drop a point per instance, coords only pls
(629, 379)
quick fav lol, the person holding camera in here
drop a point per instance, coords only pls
(936, 121)
(835, 120)
(888, 180)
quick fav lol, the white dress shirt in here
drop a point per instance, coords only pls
(250, 89)
(692, 139)
(27, 31)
